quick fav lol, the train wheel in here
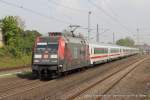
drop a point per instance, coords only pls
(66, 73)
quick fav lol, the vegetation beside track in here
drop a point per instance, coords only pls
(11, 62)
(18, 43)
(27, 75)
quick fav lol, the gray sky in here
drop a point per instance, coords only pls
(120, 16)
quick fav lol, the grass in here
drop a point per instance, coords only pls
(1, 44)
(8, 76)
(27, 75)
(148, 95)
(10, 62)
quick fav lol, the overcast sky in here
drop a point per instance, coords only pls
(122, 17)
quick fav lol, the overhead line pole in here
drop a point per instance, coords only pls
(89, 30)
(113, 38)
(138, 36)
(110, 16)
(97, 38)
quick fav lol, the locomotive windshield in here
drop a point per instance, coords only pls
(52, 47)
(48, 46)
(41, 46)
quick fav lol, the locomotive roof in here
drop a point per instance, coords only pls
(74, 39)
(69, 39)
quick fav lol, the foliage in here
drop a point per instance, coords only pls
(1, 44)
(11, 62)
(17, 41)
(10, 29)
(11, 33)
(126, 42)
(28, 38)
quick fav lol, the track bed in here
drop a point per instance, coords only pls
(16, 88)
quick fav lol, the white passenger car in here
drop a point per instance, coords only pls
(104, 52)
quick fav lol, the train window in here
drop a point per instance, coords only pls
(100, 50)
(82, 51)
(41, 47)
(75, 53)
(114, 50)
(53, 46)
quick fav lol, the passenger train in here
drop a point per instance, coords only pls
(61, 52)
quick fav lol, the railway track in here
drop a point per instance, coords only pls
(13, 85)
(63, 92)
(105, 84)
(54, 88)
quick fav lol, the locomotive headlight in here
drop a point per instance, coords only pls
(53, 56)
(36, 61)
(37, 56)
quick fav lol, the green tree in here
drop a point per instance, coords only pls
(11, 33)
(126, 42)
(29, 39)
(10, 29)
(17, 41)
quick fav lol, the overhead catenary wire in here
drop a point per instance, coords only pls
(34, 12)
(110, 16)
(110, 8)
(67, 7)
(63, 14)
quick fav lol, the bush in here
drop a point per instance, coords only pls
(18, 43)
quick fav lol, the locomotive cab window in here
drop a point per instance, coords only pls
(49, 46)
(41, 46)
(52, 46)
